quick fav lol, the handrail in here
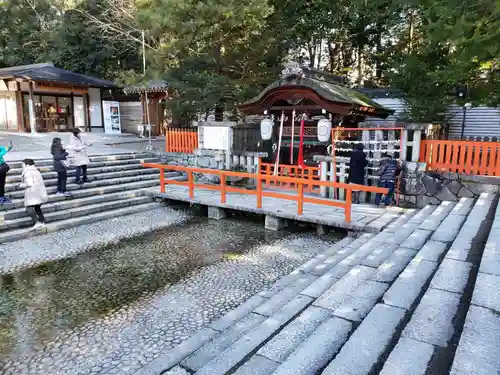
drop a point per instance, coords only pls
(260, 193)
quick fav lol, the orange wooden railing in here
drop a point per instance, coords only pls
(294, 171)
(181, 140)
(259, 192)
(477, 158)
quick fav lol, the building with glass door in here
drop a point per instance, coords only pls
(50, 99)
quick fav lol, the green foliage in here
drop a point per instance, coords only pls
(216, 53)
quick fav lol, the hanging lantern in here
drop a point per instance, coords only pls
(324, 130)
(266, 129)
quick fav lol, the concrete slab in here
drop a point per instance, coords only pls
(416, 240)
(486, 292)
(394, 265)
(477, 352)
(432, 250)
(295, 333)
(278, 208)
(452, 276)
(409, 357)
(317, 350)
(233, 355)
(432, 321)
(365, 346)
(257, 365)
(405, 290)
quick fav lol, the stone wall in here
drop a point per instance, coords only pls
(419, 187)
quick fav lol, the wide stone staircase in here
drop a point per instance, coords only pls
(118, 186)
(413, 299)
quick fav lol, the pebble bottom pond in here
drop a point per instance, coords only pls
(113, 310)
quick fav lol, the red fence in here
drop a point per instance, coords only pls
(259, 193)
(477, 158)
(181, 140)
(294, 171)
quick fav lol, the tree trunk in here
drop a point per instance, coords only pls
(360, 67)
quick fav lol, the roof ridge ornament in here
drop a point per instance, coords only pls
(292, 68)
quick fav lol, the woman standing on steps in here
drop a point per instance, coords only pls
(4, 168)
(80, 158)
(60, 166)
(35, 193)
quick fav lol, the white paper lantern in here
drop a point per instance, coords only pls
(324, 130)
(266, 129)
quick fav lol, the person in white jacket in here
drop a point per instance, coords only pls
(79, 156)
(35, 193)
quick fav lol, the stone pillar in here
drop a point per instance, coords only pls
(415, 151)
(366, 139)
(236, 160)
(404, 150)
(333, 178)
(343, 179)
(216, 213)
(228, 161)
(324, 177)
(275, 223)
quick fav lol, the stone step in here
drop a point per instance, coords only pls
(93, 168)
(131, 183)
(125, 191)
(75, 189)
(389, 302)
(99, 177)
(130, 208)
(139, 198)
(93, 158)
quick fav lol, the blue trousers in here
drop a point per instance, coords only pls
(388, 198)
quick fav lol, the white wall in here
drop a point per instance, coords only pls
(8, 111)
(95, 105)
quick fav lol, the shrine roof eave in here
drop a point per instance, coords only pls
(334, 98)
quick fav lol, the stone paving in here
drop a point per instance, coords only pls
(366, 218)
(396, 302)
(30, 252)
(38, 146)
(113, 310)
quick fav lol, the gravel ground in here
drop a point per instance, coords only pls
(114, 310)
(29, 252)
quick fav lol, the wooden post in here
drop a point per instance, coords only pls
(190, 185)
(222, 177)
(85, 112)
(259, 190)
(31, 108)
(348, 205)
(19, 108)
(162, 180)
(300, 200)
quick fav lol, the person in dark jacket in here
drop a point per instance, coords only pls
(388, 172)
(357, 166)
(60, 166)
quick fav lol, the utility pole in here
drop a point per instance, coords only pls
(150, 144)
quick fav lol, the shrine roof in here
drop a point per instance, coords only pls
(329, 89)
(151, 86)
(47, 72)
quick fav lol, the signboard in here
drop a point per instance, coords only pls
(216, 137)
(111, 111)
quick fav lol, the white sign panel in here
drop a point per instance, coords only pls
(111, 112)
(217, 138)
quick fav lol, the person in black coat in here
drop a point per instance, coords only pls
(60, 163)
(357, 166)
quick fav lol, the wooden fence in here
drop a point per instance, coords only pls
(181, 140)
(294, 171)
(476, 158)
(259, 193)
